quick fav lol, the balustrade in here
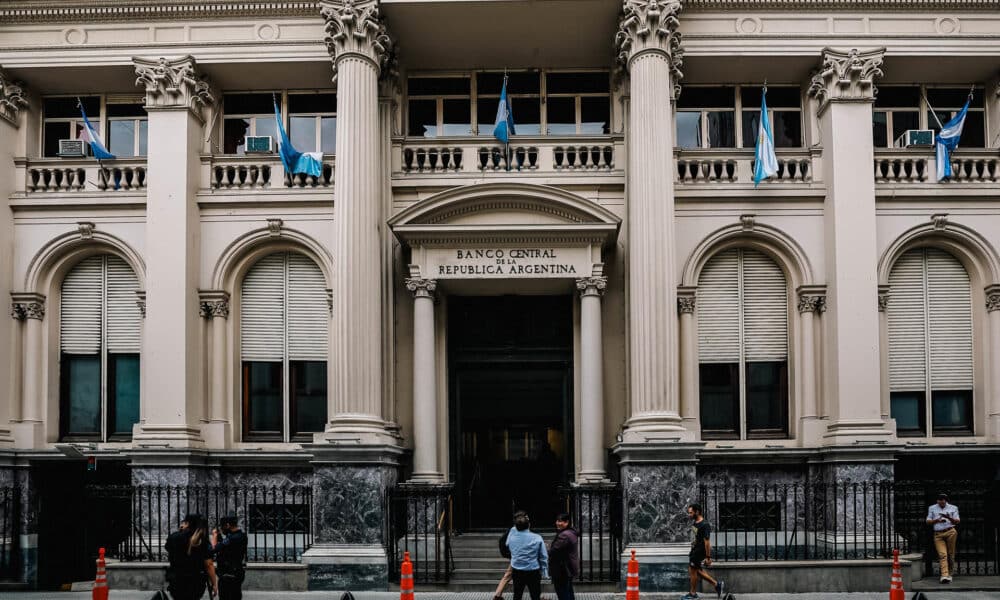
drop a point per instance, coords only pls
(472, 156)
(81, 175)
(259, 172)
(737, 166)
(920, 165)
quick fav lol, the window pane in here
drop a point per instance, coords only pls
(233, 133)
(707, 97)
(312, 103)
(438, 86)
(125, 110)
(302, 131)
(722, 129)
(561, 113)
(898, 97)
(262, 408)
(777, 97)
(143, 137)
(903, 120)
(422, 118)
(248, 104)
(974, 131)
(787, 127)
(122, 142)
(66, 108)
(767, 397)
(953, 98)
(527, 116)
(53, 133)
(880, 129)
(81, 383)
(907, 408)
(751, 124)
(486, 113)
(595, 116)
(123, 380)
(267, 126)
(328, 134)
(577, 83)
(457, 117)
(719, 399)
(517, 83)
(308, 396)
(688, 129)
(952, 410)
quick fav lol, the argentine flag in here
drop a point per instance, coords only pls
(504, 126)
(947, 141)
(765, 164)
(90, 135)
(310, 163)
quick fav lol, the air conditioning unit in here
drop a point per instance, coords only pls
(258, 144)
(72, 148)
(916, 138)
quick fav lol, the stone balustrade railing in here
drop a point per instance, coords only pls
(920, 166)
(736, 166)
(80, 175)
(258, 172)
(482, 155)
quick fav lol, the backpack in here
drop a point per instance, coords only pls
(504, 550)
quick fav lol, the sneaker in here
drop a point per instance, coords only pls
(720, 589)
(690, 597)
(946, 580)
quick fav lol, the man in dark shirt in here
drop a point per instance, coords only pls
(191, 564)
(564, 557)
(701, 552)
(230, 550)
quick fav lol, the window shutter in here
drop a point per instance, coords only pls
(765, 308)
(949, 305)
(80, 308)
(124, 319)
(262, 310)
(308, 310)
(718, 307)
(907, 324)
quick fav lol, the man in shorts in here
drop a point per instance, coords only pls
(701, 554)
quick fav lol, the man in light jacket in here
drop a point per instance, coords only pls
(529, 561)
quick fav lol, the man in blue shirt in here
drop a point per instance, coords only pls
(529, 560)
(944, 517)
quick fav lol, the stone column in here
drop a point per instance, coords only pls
(425, 418)
(993, 312)
(810, 302)
(649, 49)
(844, 89)
(591, 380)
(218, 431)
(171, 353)
(359, 45)
(884, 296)
(29, 308)
(688, 358)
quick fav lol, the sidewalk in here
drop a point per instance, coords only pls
(138, 595)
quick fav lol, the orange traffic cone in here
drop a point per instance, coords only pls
(896, 581)
(100, 591)
(405, 578)
(632, 580)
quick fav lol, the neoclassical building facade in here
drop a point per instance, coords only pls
(609, 300)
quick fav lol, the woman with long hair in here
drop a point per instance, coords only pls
(190, 557)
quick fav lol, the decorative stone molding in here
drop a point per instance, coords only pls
(421, 288)
(590, 286)
(685, 305)
(810, 303)
(651, 25)
(883, 297)
(27, 306)
(140, 301)
(329, 299)
(865, 5)
(748, 222)
(173, 83)
(86, 229)
(846, 76)
(213, 303)
(12, 98)
(356, 27)
(940, 221)
(274, 226)
(993, 298)
(60, 11)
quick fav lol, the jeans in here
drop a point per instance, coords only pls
(531, 579)
(944, 543)
(564, 588)
(230, 588)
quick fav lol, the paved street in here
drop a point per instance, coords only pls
(137, 595)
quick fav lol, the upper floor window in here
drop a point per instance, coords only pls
(930, 344)
(742, 312)
(729, 116)
(99, 339)
(128, 129)
(312, 122)
(126, 123)
(284, 328)
(899, 108)
(246, 115)
(543, 103)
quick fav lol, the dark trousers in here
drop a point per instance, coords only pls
(564, 588)
(187, 588)
(230, 588)
(530, 579)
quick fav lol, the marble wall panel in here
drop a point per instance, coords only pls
(656, 498)
(349, 502)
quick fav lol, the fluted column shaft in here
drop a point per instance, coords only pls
(217, 410)
(993, 312)
(31, 375)
(688, 359)
(425, 467)
(591, 380)
(808, 370)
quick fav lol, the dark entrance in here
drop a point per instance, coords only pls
(511, 391)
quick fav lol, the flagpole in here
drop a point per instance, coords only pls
(506, 146)
(933, 112)
(100, 165)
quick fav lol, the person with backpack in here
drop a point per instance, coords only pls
(230, 552)
(564, 557)
(529, 560)
(190, 560)
(507, 574)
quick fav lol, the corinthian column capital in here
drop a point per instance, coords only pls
(173, 83)
(27, 306)
(12, 98)
(846, 76)
(214, 304)
(993, 298)
(356, 27)
(650, 25)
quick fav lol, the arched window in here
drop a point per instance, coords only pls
(743, 346)
(100, 332)
(930, 344)
(284, 323)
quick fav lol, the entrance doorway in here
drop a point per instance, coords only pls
(511, 402)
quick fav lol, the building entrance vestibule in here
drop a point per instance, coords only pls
(511, 405)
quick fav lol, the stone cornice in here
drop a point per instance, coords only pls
(12, 98)
(651, 25)
(846, 76)
(829, 5)
(55, 11)
(173, 83)
(356, 27)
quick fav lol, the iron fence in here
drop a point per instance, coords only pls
(276, 519)
(10, 519)
(418, 520)
(801, 521)
(596, 513)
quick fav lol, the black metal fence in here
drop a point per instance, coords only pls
(801, 521)
(419, 521)
(277, 520)
(10, 519)
(596, 513)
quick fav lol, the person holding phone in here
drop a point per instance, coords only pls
(944, 518)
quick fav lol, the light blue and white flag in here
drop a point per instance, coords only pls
(765, 164)
(947, 141)
(309, 163)
(90, 135)
(504, 126)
